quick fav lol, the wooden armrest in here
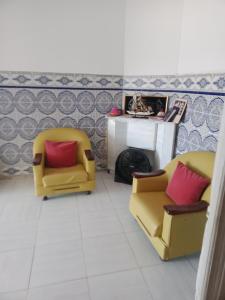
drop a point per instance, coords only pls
(37, 159)
(151, 174)
(185, 209)
(89, 154)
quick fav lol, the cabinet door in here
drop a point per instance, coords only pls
(142, 134)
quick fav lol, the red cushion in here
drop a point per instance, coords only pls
(60, 154)
(185, 186)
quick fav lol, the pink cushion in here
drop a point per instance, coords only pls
(186, 186)
(60, 154)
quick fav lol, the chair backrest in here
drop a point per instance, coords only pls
(60, 135)
(202, 162)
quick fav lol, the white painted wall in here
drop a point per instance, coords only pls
(152, 36)
(139, 37)
(78, 36)
(176, 36)
(202, 47)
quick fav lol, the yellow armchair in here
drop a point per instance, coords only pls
(55, 181)
(173, 230)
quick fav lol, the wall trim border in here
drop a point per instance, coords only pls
(212, 93)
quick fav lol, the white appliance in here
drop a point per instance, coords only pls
(155, 136)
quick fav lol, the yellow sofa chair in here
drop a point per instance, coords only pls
(173, 230)
(55, 181)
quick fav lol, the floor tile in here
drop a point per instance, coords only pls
(25, 181)
(121, 285)
(108, 254)
(72, 290)
(120, 198)
(110, 248)
(5, 183)
(100, 223)
(20, 211)
(60, 207)
(17, 235)
(20, 295)
(15, 269)
(57, 262)
(127, 220)
(98, 200)
(144, 252)
(171, 280)
(194, 261)
(58, 230)
(109, 182)
(119, 193)
(94, 203)
(20, 187)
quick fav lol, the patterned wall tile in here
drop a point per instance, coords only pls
(33, 102)
(118, 98)
(6, 102)
(66, 80)
(104, 102)
(66, 102)
(200, 128)
(218, 82)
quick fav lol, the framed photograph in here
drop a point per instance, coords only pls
(177, 111)
(145, 106)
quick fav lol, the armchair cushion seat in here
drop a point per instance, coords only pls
(50, 181)
(174, 230)
(149, 210)
(64, 176)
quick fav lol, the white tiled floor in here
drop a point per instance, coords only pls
(82, 247)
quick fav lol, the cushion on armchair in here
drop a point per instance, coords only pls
(64, 176)
(186, 186)
(60, 154)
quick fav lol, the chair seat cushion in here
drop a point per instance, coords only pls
(148, 208)
(64, 176)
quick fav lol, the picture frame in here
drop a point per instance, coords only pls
(176, 113)
(157, 103)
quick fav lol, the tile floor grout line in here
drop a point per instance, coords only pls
(132, 251)
(117, 214)
(83, 252)
(70, 280)
(112, 195)
(77, 279)
(56, 283)
(123, 229)
(138, 266)
(113, 272)
(17, 249)
(143, 277)
(117, 209)
(13, 291)
(106, 190)
(102, 180)
(34, 247)
(192, 265)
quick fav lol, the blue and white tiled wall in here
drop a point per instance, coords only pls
(32, 102)
(205, 94)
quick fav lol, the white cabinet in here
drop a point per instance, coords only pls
(141, 134)
(156, 137)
